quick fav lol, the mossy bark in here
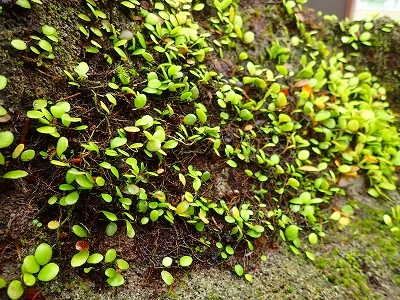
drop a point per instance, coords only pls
(283, 276)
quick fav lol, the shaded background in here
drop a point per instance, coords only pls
(336, 7)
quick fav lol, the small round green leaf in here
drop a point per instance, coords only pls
(368, 25)
(110, 272)
(18, 44)
(387, 186)
(239, 270)
(232, 163)
(313, 238)
(23, 3)
(30, 264)
(79, 231)
(170, 144)
(182, 207)
(95, 258)
(62, 145)
(49, 30)
(117, 280)
(196, 183)
(190, 119)
(111, 229)
(151, 19)
(294, 183)
(387, 219)
(39, 104)
(167, 261)
(3, 283)
(140, 100)
(111, 254)
(229, 250)
(248, 37)
(3, 111)
(27, 155)
(322, 115)
(185, 261)
(248, 277)
(29, 279)
(82, 68)
(153, 145)
(43, 254)
(230, 219)
(130, 232)
(128, 4)
(15, 289)
(365, 36)
(281, 100)
(167, 277)
(46, 129)
(34, 114)
(100, 181)
(335, 216)
(106, 197)
(303, 154)
(346, 39)
(310, 255)
(198, 6)
(291, 232)
(79, 258)
(84, 181)
(344, 169)
(110, 215)
(122, 264)
(6, 138)
(72, 198)
(353, 125)
(117, 142)
(154, 83)
(154, 215)
(3, 82)
(48, 272)
(373, 192)
(259, 228)
(201, 115)
(15, 174)
(45, 45)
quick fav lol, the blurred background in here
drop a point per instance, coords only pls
(356, 9)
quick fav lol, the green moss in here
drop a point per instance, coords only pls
(374, 245)
(322, 262)
(290, 289)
